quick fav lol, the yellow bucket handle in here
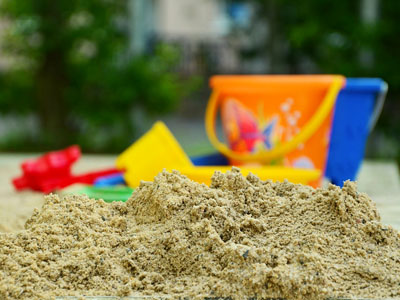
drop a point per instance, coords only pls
(267, 155)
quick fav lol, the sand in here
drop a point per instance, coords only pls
(240, 237)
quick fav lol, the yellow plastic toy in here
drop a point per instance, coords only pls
(154, 151)
(202, 174)
(158, 149)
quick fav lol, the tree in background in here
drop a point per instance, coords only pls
(71, 68)
(353, 38)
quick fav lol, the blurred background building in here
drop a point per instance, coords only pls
(98, 73)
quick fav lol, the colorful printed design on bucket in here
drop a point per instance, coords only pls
(303, 162)
(243, 131)
(291, 129)
(247, 132)
(291, 118)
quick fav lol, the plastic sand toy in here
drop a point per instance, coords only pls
(154, 151)
(357, 109)
(158, 149)
(274, 119)
(203, 174)
(52, 171)
(110, 180)
(214, 159)
(108, 194)
(48, 171)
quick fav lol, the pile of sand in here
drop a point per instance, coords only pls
(240, 237)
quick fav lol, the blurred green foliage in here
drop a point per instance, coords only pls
(332, 37)
(71, 67)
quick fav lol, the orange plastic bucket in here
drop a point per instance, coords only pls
(274, 119)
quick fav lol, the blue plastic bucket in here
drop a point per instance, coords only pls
(358, 107)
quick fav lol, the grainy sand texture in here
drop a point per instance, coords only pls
(240, 237)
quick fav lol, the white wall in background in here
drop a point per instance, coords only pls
(195, 19)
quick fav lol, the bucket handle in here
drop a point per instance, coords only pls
(265, 156)
(380, 100)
